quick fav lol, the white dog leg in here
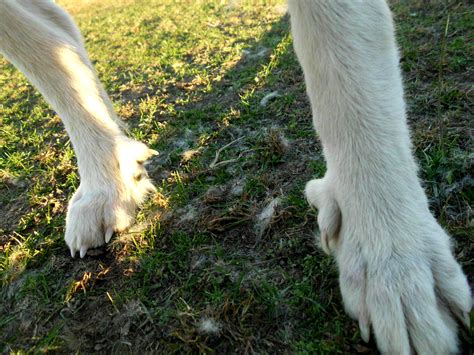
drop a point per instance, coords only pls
(397, 271)
(42, 41)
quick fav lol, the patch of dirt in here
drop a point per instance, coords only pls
(11, 212)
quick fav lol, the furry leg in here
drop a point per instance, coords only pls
(397, 271)
(41, 40)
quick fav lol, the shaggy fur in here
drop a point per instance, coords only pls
(41, 40)
(397, 272)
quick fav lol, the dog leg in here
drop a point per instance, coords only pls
(397, 271)
(41, 40)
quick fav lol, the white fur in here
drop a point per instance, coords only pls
(397, 272)
(43, 42)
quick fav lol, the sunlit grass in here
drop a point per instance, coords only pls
(188, 78)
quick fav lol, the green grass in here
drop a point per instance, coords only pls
(188, 77)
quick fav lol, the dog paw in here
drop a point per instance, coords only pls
(103, 206)
(319, 194)
(397, 273)
(412, 297)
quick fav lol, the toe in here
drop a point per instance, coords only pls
(83, 251)
(353, 283)
(386, 315)
(108, 234)
(364, 327)
(451, 283)
(431, 329)
(389, 326)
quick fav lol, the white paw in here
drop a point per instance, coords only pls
(397, 274)
(411, 296)
(98, 208)
(318, 193)
(411, 300)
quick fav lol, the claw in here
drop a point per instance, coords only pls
(364, 330)
(138, 176)
(108, 234)
(149, 153)
(73, 252)
(83, 251)
(466, 319)
(325, 243)
(463, 318)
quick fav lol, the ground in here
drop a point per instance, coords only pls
(223, 257)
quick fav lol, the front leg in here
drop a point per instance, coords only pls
(397, 271)
(43, 42)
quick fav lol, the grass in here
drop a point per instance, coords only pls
(188, 78)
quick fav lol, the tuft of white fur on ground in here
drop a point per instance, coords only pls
(189, 214)
(237, 188)
(266, 216)
(198, 262)
(267, 98)
(284, 142)
(209, 326)
(249, 55)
